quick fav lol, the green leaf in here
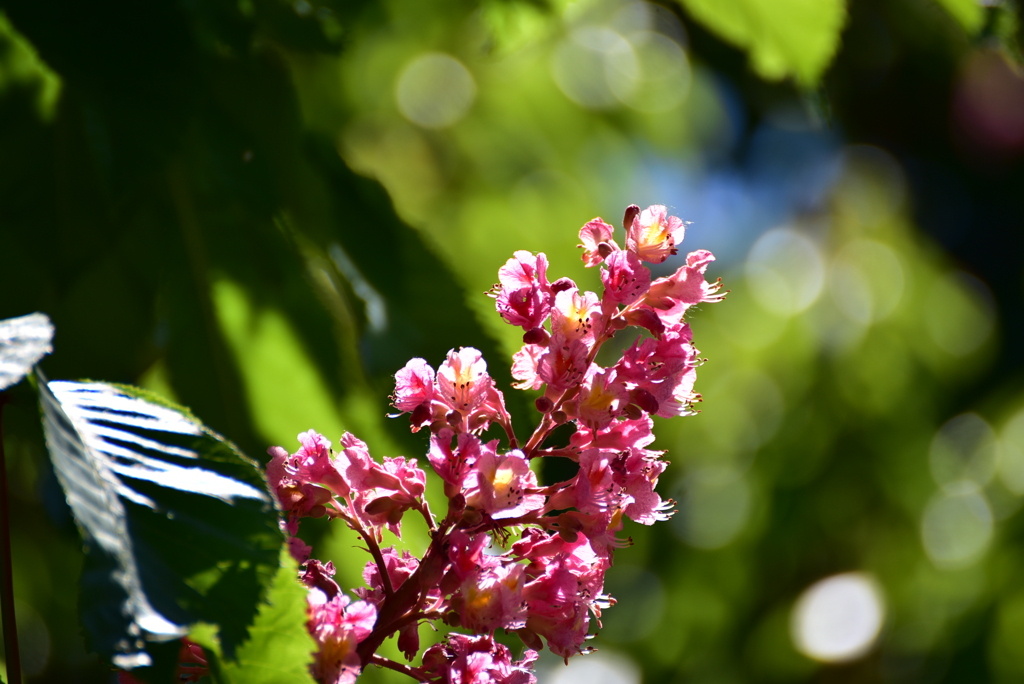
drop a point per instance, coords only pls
(23, 341)
(785, 38)
(179, 525)
(279, 648)
(969, 13)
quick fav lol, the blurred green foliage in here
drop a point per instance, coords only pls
(261, 209)
(795, 38)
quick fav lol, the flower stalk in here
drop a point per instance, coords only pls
(510, 554)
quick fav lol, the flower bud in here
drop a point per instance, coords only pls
(644, 400)
(544, 404)
(562, 284)
(395, 515)
(559, 417)
(434, 659)
(454, 418)
(409, 640)
(420, 415)
(618, 323)
(605, 250)
(456, 503)
(536, 336)
(471, 517)
(384, 504)
(645, 318)
(530, 639)
(633, 412)
(569, 522)
(631, 213)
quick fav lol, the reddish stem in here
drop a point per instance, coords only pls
(378, 557)
(397, 608)
(398, 667)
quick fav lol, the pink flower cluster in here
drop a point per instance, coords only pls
(510, 553)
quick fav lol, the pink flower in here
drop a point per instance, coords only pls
(466, 553)
(500, 486)
(400, 485)
(564, 364)
(523, 296)
(414, 385)
(635, 474)
(299, 550)
(670, 297)
(400, 567)
(575, 316)
(625, 279)
(550, 584)
(316, 575)
(619, 435)
(527, 307)
(565, 588)
(593, 235)
(453, 465)
(465, 659)
(601, 398)
(337, 627)
(358, 470)
(491, 598)
(593, 490)
(463, 384)
(524, 270)
(525, 366)
(666, 369)
(297, 498)
(313, 462)
(653, 235)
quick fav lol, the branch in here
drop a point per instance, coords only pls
(378, 557)
(398, 667)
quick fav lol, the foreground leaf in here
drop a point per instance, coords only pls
(279, 648)
(785, 38)
(179, 526)
(23, 341)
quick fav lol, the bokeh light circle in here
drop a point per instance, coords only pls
(1011, 453)
(785, 271)
(866, 281)
(956, 527)
(964, 450)
(838, 618)
(662, 76)
(435, 90)
(714, 507)
(594, 63)
(602, 667)
(960, 316)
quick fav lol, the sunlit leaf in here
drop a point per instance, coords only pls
(23, 341)
(179, 525)
(279, 648)
(785, 38)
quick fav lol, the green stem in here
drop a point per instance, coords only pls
(11, 652)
